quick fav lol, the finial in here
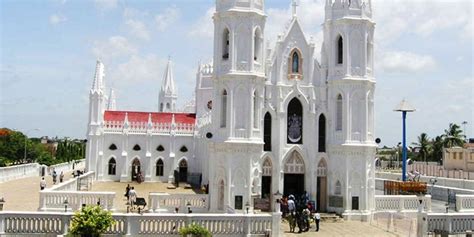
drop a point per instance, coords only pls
(294, 6)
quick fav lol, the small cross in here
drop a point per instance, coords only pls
(294, 5)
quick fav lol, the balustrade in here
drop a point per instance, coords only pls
(464, 203)
(401, 203)
(54, 200)
(164, 202)
(453, 223)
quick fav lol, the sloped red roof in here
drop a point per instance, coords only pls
(134, 116)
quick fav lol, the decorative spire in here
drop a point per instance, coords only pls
(112, 106)
(294, 5)
(98, 83)
(167, 86)
(125, 122)
(150, 123)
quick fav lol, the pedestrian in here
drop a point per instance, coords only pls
(291, 205)
(61, 177)
(42, 183)
(317, 218)
(127, 192)
(132, 194)
(55, 175)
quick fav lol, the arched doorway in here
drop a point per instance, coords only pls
(294, 175)
(183, 171)
(135, 169)
(321, 188)
(266, 178)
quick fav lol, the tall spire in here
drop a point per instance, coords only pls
(294, 5)
(98, 83)
(112, 106)
(167, 86)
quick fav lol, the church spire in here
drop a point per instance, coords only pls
(168, 91)
(98, 84)
(294, 6)
(112, 106)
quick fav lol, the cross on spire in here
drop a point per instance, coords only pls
(294, 5)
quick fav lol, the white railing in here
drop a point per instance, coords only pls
(54, 200)
(142, 127)
(453, 223)
(145, 224)
(18, 172)
(67, 167)
(78, 183)
(401, 203)
(164, 202)
(464, 203)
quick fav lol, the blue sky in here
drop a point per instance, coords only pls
(424, 53)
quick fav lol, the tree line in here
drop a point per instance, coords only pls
(16, 148)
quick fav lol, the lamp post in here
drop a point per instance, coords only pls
(65, 204)
(188, 205)
(26, 138)
(247, 207)
(404, 107)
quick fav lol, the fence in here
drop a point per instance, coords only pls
(404, 224)
(67, 166)
(439, 171)
(464, 203)
(82, 182)
(451, 223)
(18, 172)
(55, 200)
(164, 202)
(401, 203)
(146, 224)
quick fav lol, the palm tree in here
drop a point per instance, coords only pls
(424, 145)
(453, 136)
(437, 148)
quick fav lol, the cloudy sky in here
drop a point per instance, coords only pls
(424, 53)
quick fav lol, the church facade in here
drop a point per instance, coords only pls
(264, 120)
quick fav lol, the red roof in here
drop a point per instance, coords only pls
(155, 117)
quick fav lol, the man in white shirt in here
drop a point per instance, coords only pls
(42, 183)
(132, 194)
(291, 205)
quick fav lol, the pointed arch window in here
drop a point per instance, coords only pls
(338, 189)
(295, 122)
(225, 44)
(322, 134)
(161, 107)
(136, 147)
(257, 45)
(267, 132)
(160, 148)
(295, 63)
(112, 166)
(340, 50)
(224, 109)
(339, 113)
(183, 149)
(159, 167)
(112, 147)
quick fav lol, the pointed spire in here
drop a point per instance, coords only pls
(98, 83)
(125, 122)
(294, 5)
(150, 123)
(168, 81)
(112, 106)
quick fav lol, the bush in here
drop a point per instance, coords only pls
(195, 230)
(91, 221)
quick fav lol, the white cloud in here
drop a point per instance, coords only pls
(166, 18)
(139, 68)
(105, 5)
(115, 46)
(204, 26)
(57, 19)
(405, 62)
(138, 29)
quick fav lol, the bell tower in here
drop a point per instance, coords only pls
(239, 80)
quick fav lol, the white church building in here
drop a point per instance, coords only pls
(264, 120)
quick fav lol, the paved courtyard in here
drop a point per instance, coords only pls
(346, 229)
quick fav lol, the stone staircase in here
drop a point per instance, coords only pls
(330, 217)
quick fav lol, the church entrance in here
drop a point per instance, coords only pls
(294, 175)
(267, 178)
(183, 171)
(321, 188)
(135, 169)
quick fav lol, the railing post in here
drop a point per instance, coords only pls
(247, 223)
(2, 224)
(65, 221)
(458, 203)
(402, 204)
(276, 219)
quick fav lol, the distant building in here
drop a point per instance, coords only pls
(459, 158)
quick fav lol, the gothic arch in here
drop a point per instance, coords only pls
(267, 166)
(322, 133)
(226, 39)
(224, 101)
(295, 64)
(267, 132)
(339, 112)
(322, 168)
(160, 166)
(296, 93)
(112, 166)
(294, 163)
(258, 44)
(339, 49)
(295, 122)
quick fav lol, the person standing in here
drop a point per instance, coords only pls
(61, 177)
(317, 218)
(55, 175)
(132, 195)
(42, 183)
(291, 205)
(127, 192)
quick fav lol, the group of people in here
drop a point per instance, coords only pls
(54, 174)
(299, 212)
(131, 194)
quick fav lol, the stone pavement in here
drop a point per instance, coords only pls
(23, 194)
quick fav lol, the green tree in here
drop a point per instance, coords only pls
(437, 145)
(425, 146)
(91, 221)
(453, 136)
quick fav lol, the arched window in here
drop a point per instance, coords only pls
(295, 122)
(267, 132)
(112, 166)
(322, 134)
(340, 50)
(160, 148)
(161, 107)
(183, 149)
(255, 110)
(257, 45)
(112, 147)
(168, 106)
(224, 109)
(137, 147)
(339, 113)
(225, 44)
(159, 168)
(338, 189)
(295, 63)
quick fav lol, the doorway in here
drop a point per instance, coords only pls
(293, 184)
(321, 194)
(183, 171)
(135, 169)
